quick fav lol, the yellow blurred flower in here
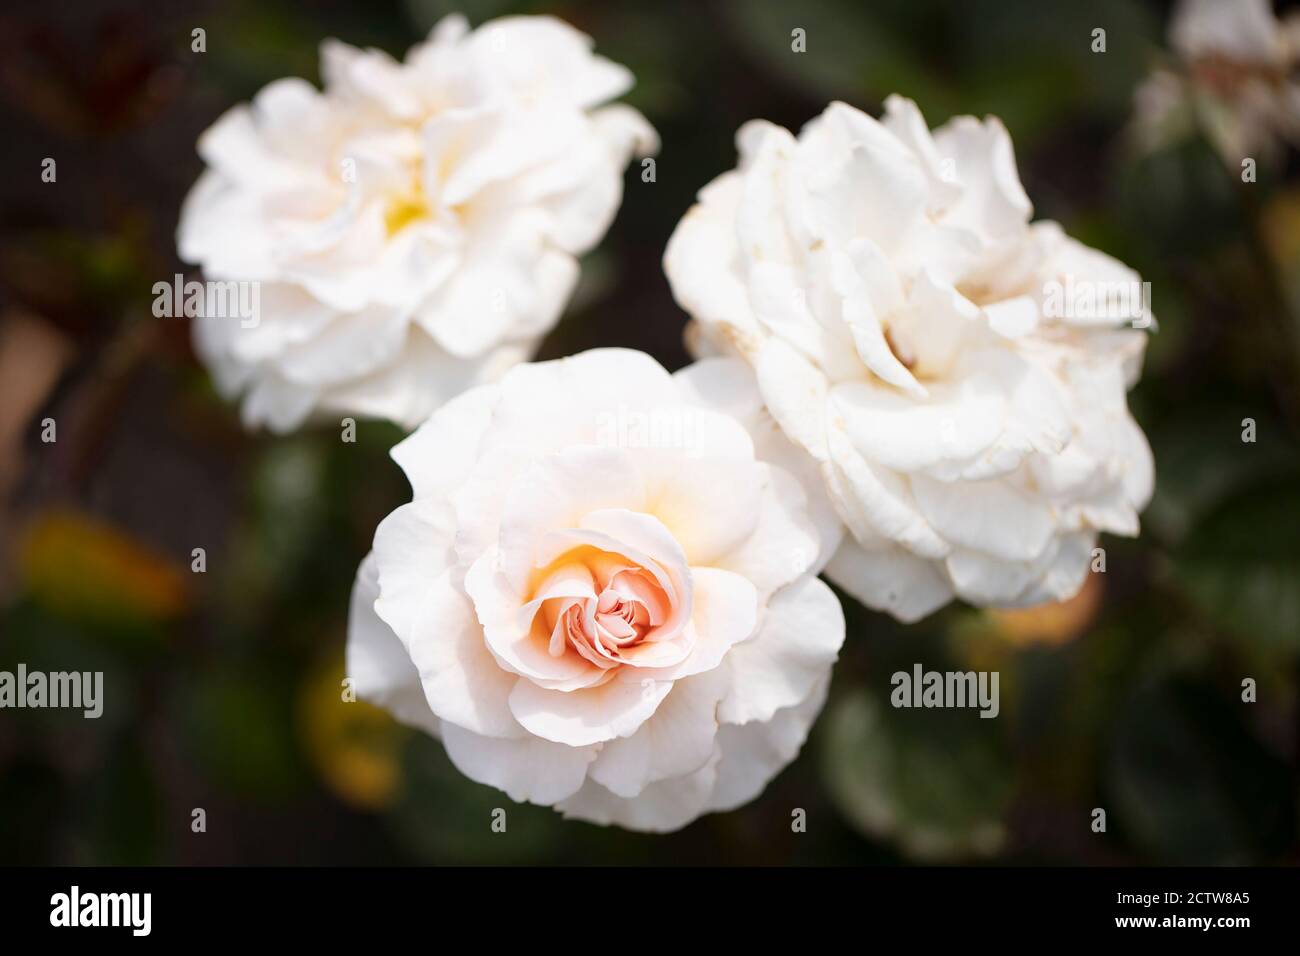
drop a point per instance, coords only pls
(354, 746)
(1281, 225)
(85, 568)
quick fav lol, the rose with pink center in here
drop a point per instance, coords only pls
(591, 616)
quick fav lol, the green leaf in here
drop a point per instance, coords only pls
(854, 53)
(1189, 784)
(238, 727)
(1241, 565)
(1201, 460)
(123, 811)
(936, 781)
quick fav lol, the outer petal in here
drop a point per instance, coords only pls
(462, 680)
(419, 381)
(890, 579)
(784, 545)
(1056, 575)
(377, 661)
(660, 808)
(729, 385)
(989, 516)
(793, 650)
(896, 431)
(526, 768)
(432, 616)
(702, 260)
(795, 393)
(545, 57)
(439, 454)
(676, 741)
(753, 753)
(877, 503)
(350, 347)
(993, 203)
(547, 405)
(1139, 465)
(279, 405)
(873, 188)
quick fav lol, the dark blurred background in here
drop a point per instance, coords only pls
(222, 688)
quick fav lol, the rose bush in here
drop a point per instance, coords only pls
(414, 227)
(603, 595)
(958, 374)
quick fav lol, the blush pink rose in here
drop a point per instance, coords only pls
(603, 596)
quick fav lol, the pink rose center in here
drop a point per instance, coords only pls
(624, 607)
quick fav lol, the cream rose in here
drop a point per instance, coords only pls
(603, 596)
(957, 374)
(1235, 75)
(414, 228)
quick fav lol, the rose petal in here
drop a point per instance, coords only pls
(659, 808)
(528, 769)
(890, 578)
(796, 644)
(377, 662)
(579, 718)
(677, 740)
(752, 754)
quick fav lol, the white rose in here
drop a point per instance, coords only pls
(904, 321)
(414, 228)
(1241, 31)
(603, 595)
(1236, 75)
